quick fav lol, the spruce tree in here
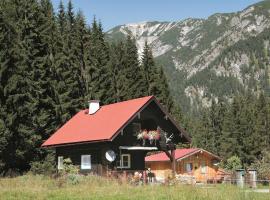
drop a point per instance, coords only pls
(155, 79)
(135, 85)
(260, 135)
(7, 68)
(83, 46)
(229, 146)
(25, 92)
(149, 69)
(69, 97)
(99, 85)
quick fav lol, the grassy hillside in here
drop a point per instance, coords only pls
(39, 187)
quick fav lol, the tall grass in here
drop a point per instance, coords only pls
(92, 187)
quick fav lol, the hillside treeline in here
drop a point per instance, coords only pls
(240, 128)
(51, 64)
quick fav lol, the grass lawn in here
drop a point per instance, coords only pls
(40, 187)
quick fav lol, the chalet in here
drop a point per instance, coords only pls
(199, 163)
(117, 136)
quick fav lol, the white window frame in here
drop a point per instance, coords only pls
(120, 163)
(60, 162)
(86, 165)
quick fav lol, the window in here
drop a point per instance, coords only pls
(60, 162)
(86, 162)
(124, 161)
(189, 167)
(203, 167)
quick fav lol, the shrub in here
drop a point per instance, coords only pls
(263, 166)
(233, 163)
(69, 173)
(46, 167)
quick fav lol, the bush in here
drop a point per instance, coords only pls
(263, 166)
(233, 163)
(46, 167)
(69, 173)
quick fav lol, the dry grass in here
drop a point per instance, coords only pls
(40, 187)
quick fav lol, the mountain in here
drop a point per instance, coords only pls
(203, 59)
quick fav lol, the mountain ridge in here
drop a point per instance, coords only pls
(187, 47)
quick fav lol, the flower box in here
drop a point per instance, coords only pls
(151, 136)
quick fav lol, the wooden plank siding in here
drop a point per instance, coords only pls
(160, 168)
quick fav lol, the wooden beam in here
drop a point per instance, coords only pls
(173, 162)
(169, 155)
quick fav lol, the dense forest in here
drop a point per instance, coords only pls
(51, 64)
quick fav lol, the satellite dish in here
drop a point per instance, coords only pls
(110, 155)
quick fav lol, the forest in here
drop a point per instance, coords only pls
(52, 63)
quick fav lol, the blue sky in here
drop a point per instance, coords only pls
(117, 12)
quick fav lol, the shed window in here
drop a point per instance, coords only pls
(86, 162)
(60, 162)
(189, 167)
(124, 161)
(203, 167)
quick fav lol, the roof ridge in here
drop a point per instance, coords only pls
(120, 102)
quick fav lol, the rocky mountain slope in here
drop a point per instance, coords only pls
(209, 58)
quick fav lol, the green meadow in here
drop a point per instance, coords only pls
(91, 187)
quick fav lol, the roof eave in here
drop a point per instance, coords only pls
(74, 143)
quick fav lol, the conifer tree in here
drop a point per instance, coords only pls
(149, 70)
(25, 92)
(135, 85)
(7, 68)
(68, 88)
(83, 43)
(116, 64)
(229, 147)
(155, 79)
(99, 85)
(260, 136)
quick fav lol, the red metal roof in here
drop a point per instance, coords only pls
(179, 153)
(102, 125)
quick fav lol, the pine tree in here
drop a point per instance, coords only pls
(229, 146)
(23, 89)
(134, 81)
(7, 68)
(149, 70)
(99, 85)
(155, 79)
(260, 135)
(69, 97)
(164, 94)
(116, 66)
(83, 43)
(46, 120)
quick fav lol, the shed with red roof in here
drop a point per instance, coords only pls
(116, 136)
(190, 162)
